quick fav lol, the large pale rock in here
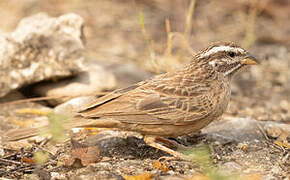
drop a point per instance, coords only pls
(74, 105)
(95, 79)
(41, 47)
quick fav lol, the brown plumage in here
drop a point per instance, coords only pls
(171, 104)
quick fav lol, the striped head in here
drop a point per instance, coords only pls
(225, 58)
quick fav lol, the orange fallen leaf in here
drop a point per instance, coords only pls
(92, 131)
(245, 147)
(282, 144)
(28, 160)
(160, 166)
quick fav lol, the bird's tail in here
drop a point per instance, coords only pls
(18, 134)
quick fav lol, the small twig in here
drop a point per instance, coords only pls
(49, 98)
(33, 99)
(188, 21)
(10, 161)
(262, 131)
(10, 155)
(285, 158)
(18, 168)
(280, 148)
(46, 150)
(169, 38)
(147, 39)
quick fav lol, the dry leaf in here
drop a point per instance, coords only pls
(160, 166)
(282, 144)
(86, 154)
(92, 131)
(28, 160)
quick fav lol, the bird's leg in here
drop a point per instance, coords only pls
(150, 140)
(170, 143)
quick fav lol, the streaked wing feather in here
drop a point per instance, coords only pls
(156, 112)
(109, 97)
(150, 103)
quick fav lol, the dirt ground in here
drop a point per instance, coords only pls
(251, 141)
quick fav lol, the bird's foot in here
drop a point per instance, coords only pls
(172, 144)
(151, 141)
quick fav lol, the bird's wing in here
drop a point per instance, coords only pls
(152, 103)
(109, 97)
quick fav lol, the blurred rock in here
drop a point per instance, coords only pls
(11, 96)
(41, 47)
(127, 73)
(245, 130)
(242, 145)
(231, 167)
(99, 77)
(234, 130)
(277, 130)
(95, 79)
(74, 105)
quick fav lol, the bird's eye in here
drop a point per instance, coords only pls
(231, 54)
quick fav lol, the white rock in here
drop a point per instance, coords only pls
(41, 47)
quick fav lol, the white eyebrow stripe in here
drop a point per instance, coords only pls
(222, 49)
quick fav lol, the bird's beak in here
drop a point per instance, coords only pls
(249, 60)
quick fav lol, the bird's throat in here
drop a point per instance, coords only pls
(233, 69)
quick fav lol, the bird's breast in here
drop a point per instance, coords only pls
(222, 98)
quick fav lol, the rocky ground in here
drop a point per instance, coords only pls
(251, 141)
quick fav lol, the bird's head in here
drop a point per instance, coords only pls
(225, 58)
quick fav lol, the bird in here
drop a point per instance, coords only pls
(170, 104)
